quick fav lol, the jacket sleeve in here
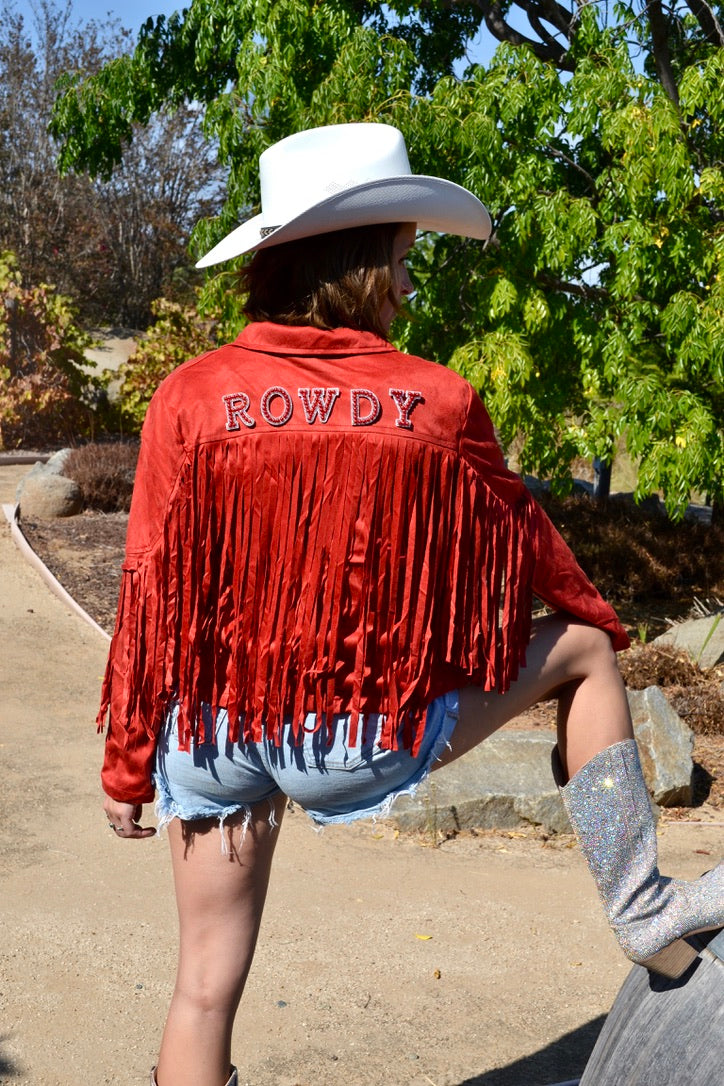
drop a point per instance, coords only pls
(131, 740)
(558, 580)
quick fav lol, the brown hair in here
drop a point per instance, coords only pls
(327, 281)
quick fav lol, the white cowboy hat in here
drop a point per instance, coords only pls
(346, 175)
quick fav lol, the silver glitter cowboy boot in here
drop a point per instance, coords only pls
(608, 805)
(233, 1080)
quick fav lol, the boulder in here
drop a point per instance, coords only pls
(701, 638)
(503, 783)
(665, 747)
(42, 469)
(507, 781)
(45, 492)
(55, 464)
(37, 470)
(45, 495)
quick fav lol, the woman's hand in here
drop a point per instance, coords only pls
(123, 819)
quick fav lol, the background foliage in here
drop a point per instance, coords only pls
(594, 317)
(177, 334)
(105, 473)
(112, 243)
(47, 393)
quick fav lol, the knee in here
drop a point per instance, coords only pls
(594, 651)
(209, 1000)
(211, 988)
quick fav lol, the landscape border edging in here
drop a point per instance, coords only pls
(11, 514)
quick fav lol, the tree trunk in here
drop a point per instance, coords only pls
(601, 479)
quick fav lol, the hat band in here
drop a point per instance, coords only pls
(265, 231)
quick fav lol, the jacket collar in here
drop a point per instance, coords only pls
(297, 339)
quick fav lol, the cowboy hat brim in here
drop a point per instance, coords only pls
(431, 202)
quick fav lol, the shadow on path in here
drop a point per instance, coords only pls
(7, 1066)
(559, 1061)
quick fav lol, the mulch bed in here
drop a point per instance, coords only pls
(85, 554)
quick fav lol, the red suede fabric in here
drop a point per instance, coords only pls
(321, 523)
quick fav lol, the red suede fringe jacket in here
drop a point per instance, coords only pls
(321, 523)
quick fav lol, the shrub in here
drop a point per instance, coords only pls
(105, 474)
(47, 393)
(178, 334)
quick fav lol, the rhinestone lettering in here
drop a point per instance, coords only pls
(265, 406)
(373, 407)
(317, 402)
(237, 410)
(405, 400)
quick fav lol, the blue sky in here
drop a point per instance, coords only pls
(130, 13)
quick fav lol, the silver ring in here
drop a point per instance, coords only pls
(111, 826)
(118, 829)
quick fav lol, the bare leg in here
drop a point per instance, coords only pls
(567, 659)
(220, 898)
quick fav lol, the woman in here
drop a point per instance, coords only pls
(328, 584)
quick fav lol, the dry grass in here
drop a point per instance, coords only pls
(105, 475)
(696, 695)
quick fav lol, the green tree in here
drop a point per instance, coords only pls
(47, 395)
(177, 334)
(595, 314)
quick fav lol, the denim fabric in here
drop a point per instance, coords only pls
(332, 783)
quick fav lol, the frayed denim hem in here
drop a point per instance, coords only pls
(167, 809)
(345, 796)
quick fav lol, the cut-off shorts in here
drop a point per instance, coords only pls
(334, 782)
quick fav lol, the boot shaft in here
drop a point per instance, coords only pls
(610, 811)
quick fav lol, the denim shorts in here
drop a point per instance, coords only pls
(333, 782)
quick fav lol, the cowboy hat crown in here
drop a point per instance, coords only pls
(346, 175)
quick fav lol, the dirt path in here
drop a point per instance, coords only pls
(508, 988)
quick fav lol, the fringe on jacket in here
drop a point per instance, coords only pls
(326, 598)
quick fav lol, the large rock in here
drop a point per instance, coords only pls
(507, 780)
(45, 495)
(665, 747)
(701, 638)
(54, 465)
(503, 783)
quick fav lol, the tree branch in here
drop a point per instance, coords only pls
(660, 50)
(707, 20)
(549, 50)
(578, 290)
(555, 153)
(537, 11)
(540, 30)
(503, 31)
(558, 16)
